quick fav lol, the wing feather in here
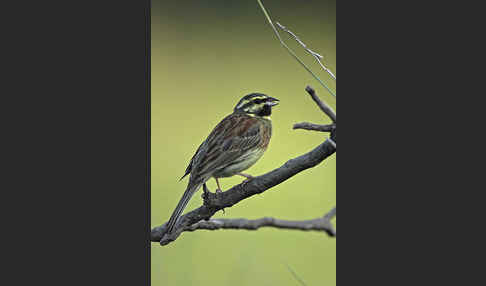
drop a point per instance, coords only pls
(232, 139)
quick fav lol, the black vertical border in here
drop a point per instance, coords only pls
(148, 133)
(73, 115)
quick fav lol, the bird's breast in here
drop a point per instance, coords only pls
(240, 165)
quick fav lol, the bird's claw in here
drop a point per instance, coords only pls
(248, 180)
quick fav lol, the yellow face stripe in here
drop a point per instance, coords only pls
(242, 103)
(252, 99)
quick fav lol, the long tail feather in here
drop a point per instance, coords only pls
(181, 206)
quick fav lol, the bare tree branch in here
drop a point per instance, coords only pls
(314, 54)
(330, 214)
(324, 107)
(332, 142)
(315, 127)
(318, 224)
(214, 202)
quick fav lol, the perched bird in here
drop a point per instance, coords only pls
(234, 145)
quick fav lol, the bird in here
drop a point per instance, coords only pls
(233, 146)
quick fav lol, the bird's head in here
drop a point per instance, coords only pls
(256, 104)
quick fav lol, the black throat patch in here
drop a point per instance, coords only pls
(265, 111)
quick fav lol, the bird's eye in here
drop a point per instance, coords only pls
(258, 101)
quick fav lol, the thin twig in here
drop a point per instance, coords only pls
(291, 52)
(330, 214)
(318, 224)
(317, 56)
(295, 275)
(324, 107)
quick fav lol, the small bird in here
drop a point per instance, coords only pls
(234, 145)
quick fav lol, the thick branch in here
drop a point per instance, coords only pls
(318, 224)
(324, 107)
(214, 202)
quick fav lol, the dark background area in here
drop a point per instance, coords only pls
(74, 113)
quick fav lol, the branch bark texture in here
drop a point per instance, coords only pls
(324, 107)
(317, 224)
(315, 127)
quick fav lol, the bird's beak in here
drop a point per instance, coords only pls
(271, 101)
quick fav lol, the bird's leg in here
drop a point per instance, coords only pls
(248, 177)
(218, 190)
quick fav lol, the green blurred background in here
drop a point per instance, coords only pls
(205, 56)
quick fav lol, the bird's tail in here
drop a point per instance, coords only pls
(191, 189)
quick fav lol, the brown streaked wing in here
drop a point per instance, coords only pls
(232, 138)
(189, 167)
